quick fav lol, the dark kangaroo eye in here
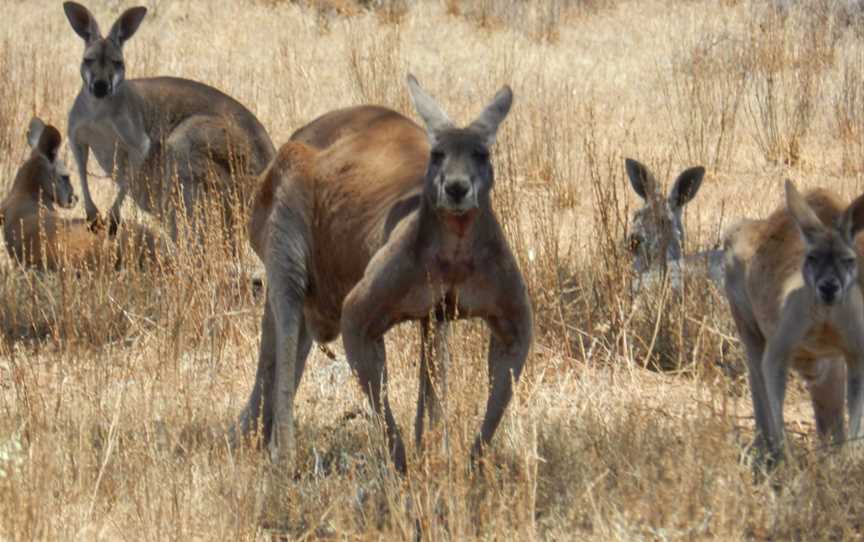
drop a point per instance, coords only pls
(118, 64)
(65, 178)
(812, 258)
(848, 261)
(88, 61)
(481, 155)
(436, 157)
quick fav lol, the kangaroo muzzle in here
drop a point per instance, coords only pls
(828, 290)
(456, 190)
(100, 88)
(458, 196)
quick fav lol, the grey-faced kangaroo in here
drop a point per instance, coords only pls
(795, 291)
(166, 141)
(386, 223)
(656, 239)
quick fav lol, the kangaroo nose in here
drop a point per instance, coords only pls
(828, 290)
(456, 190)
(100, 88)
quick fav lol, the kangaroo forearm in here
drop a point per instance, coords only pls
(81, 154)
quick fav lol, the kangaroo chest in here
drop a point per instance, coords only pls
(452, 285)
(823, 341)
(104, 143)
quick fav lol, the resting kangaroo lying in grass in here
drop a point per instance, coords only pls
(657, 237)
(37, 236)
(375, 229)
(795, 291)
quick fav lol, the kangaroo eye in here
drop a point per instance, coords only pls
(118, 64)
(812, 258)
(88, 61)
(849, 261)
(481, 155)
(436, 157)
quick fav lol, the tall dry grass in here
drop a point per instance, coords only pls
(632, 420)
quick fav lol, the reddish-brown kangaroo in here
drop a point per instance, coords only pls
(37, 236)
(383, 223)
(795, 291)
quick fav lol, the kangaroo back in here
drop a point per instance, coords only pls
(293, 161)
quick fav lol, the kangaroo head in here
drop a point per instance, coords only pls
(48, 168)
(830, 265)
(459, 175)
(102, 67)
(657, 231)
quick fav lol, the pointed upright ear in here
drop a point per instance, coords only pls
(82, 21)
(49, 142)
(34, 131)
(641, 179)
(808, 223)
(127, 24)
(852, 220)
(686, 186)
(435, 119)
(493, 115)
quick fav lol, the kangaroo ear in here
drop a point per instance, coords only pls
(808, 223)
(686, 186)
(127, 24)
(640, 179)
(493, 115)
(82, 21)
(852, 220)
(435, 119)
(49, 142)
(34, 131)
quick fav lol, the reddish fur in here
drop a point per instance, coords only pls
(42, 239)
(357, 179)
(348, 230)
(783, 321)
(773, 251)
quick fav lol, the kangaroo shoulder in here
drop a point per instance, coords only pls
(295, 156)
(295, 161)
(742, 239)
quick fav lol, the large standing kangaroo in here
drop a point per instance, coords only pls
(166, 141)
(383, 223)
(795, 291)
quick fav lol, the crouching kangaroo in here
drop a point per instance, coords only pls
(387, 223)
(37, 236)
(795, 291)
(656, 241)
(167, 141)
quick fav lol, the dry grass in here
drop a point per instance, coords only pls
(633, 418)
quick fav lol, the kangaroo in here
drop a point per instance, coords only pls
(37, 236)
(386, 224)
(795, 294)
(149, 132)
(657, 237)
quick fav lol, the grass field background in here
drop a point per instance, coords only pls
(633, 419)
